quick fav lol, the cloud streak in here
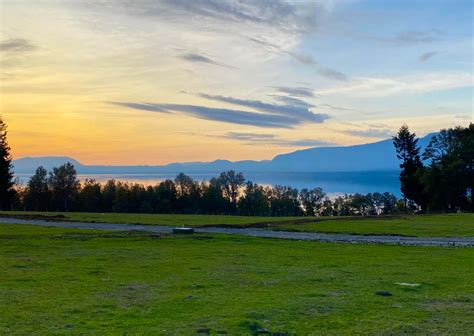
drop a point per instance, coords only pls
(304, 59)
(232, 116)
(411, 84)
(291, 101)
(197, 58)
(371, 133)
(288, 16)
(16, 45)
(426, 56)
(300, 112)
(272, 139)
(417, 37)
(302, 92)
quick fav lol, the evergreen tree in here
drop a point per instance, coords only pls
(6, 170)
(408, 151)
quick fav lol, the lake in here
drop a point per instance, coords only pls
(333, 184)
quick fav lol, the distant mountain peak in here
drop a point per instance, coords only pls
(29, 164)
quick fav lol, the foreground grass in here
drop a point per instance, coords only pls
(439, 225)
(65, 281)
(443, 225)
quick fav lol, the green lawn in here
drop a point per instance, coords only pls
(158, 219)
(66, 281)
(444, 225)
(447, 225)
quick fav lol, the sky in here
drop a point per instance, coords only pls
(154, 82)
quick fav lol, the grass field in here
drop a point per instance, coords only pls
(443, 225)
(157, 219)
(66, 281)
(438, 225)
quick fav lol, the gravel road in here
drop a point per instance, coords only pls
(265, 233)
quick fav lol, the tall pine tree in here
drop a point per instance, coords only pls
(6, 170)
(408, 151)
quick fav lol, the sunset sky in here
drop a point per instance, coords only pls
(153, 82)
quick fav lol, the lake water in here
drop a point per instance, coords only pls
(332, 183)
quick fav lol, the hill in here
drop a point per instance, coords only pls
(376, 156)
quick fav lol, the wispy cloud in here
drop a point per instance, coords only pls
(464, 116)
(308, 143)
(371, 133)
(411, 84)
(417, 37)
(426, 56)
(197, 58)
(272, 139)
(270, 120)
(300, 112)
(290, 16)
(305, 59)
(17, 45)
(337, 108)
(296, 91)
(242, 136)
(142, 106)
(291, 101)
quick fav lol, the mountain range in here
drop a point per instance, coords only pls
(376, 156)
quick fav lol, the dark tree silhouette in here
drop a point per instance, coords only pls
(90, 196)
(449, 179)
(64, 185)
(255, 201)
(108, 195)
(408, 151)
(213, 200)
(62, 191)
(231, 182)
(312, 201)
(37, 194)
(166, 197)
(188, 192)
(284, 201)
(6, 169)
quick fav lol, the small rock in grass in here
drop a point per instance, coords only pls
(383, 293)
(203, 330)
(187, 297)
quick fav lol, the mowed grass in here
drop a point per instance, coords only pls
(66, 281)
(436, 225)
(439, 225)
(157, 219)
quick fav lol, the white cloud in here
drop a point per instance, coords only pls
(411, 84)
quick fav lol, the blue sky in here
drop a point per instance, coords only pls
(184, 81)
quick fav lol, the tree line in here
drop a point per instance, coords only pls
(442, 177)
(229, 193)
(439, 179)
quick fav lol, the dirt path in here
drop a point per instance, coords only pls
(257, 232)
